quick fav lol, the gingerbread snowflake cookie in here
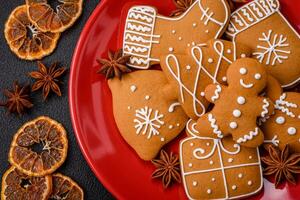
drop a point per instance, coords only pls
(146, 120)
(260, 25)
(237, 106)
(283, 127)
(148, 35)
(218, 168)
(190, 73)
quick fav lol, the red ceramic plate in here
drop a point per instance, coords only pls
(115, 164)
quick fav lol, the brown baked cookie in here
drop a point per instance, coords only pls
(190, 73)
(260, 25)
(237, 107)
(146, 120)
(283, 127)
(218, 168)
(148, 35)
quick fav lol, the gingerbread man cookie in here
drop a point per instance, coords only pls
(218, 168)
(190, 73)
(283, 127)
(260, 25)
(148, 35)
(146, 120)
(237, 107)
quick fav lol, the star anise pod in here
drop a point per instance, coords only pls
(282, 164)
(167, 168)
(115, 65)
(47, 79)
(181, 7)
(18, 99)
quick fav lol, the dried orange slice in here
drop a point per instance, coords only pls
(39, 147)
(65, 188)
(45, 18)
(18, 186)
(24, 39)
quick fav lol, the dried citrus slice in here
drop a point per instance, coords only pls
(24, 39)
(46, 18)
(39, 147)
(18, 186)
(65, 188)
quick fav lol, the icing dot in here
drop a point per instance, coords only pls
(147, 97)
(213, 179)
(257, 76)
(129, 107)
(280, 120)
(233, 125)
(173, 31)
(292, 130)
(190, 165)
(208, 191)
(249, 182)
(195, 183)
(162, 139)
(192, 144)
(236, 113)
(241, 100)
(194, 24)
(240, 175)
(133, 88)
(243, 55)
(177, 124)
(188, 44)
(180, 38)
(188, 67)
(224, 78)
(210, 60)
(228, 51)
(207, 144)
(206, 31)
(250, 157)
(298, 116)
(171, 49)
(171, 126)
(193, 43)
(234, 187)
(230, 160)
(243, 71)
(202, 94)
(211, 162)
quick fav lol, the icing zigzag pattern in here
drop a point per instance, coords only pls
(136, 49)
(265, 108)
(284, 106)
(215, 127)
(138, 60)
(139, 16)
(249, 136)
(217, 93)
(136, 38)
(138, 28)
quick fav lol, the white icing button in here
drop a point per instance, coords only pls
(236, 113)
(177, 124)
(171, 49)
(249, 182)
(240, 175)
(190, 165)
(194, 24)
(147, 97)
(243, 55)
(241, 100)
(228, 50)
(188, 44)
(210, 60)
(243, 71)
(180, 38)
(224, 78)
(233, 125)
(195, 183)
(230, 160)
(133, 88)
(298, 116)
(292, 130)
(202, 94)
(208, 191)
(188, 67)
(206, 31)
(213, 179)
(193, 43)
(257, 76)
(173, 31)
(162, 139)
(171, 126)
(211, 162)
(192, 144)
(280, 120)
(129, 107)
(207, 144)
(234, 187)
(250, 157)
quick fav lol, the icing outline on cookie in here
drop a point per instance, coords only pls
(244, 85)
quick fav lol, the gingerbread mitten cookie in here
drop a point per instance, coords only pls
(190, 73)
(260, 25)
(238, 105)
(218, 168)
(148, 35)
(283, 127)
(146, 120)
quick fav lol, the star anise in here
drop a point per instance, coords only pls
(115, 66)
(47, 79)
(282, 164)
(167, 168)
(181, 7)
(18, 99)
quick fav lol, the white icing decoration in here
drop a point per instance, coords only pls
(234, 187)
(138, 27)
(146, 123)
(233, 125)
(173, 31)
(162, 139)
(171, 49)
(188, 67)
(195, 183)
(280, 120)
(249, 136)
(224, 78)
(177, 124)
(283, 105)
(244, 85)
(249, 183)
(208, 191)
(139, 16)
(188, 44)
(172, 107)
(136, 49)
(241, 100)
(243, 55)
(190, 164)
(244, 11)
(230, 160)
(292, 130)
(206, 31)
(240, 175)
(192, 144)
(265, 107)
(128, 107)
(147, 97)
(257, 76)
(250, 157)
(202, 94)
(180, 38)
(229, 51)
(213, 179)
(211, 162)
(243, 71)
(194, 24)
(170, 126)
(272, 49)
(193, 43)
(214, 126)
(237, 113)
(274, 141)
(207, 144)
(217, 93)
(133, 88)
(210, 60)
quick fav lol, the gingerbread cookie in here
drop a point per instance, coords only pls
(283, 127)
(218, 168)
(190, 73)
(237, 106)
(260, 25)
(146, 120)
(148, 35)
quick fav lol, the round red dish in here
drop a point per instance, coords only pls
(114, 163)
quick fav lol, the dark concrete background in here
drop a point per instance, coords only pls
(12, 68)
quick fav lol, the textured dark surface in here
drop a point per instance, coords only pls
(12, 68)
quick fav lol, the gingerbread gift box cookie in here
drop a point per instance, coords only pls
(260, 25)
(238, 105)
(201, 65)
(218, 168)
(146, 120)
(283, 127)
(148, 35)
